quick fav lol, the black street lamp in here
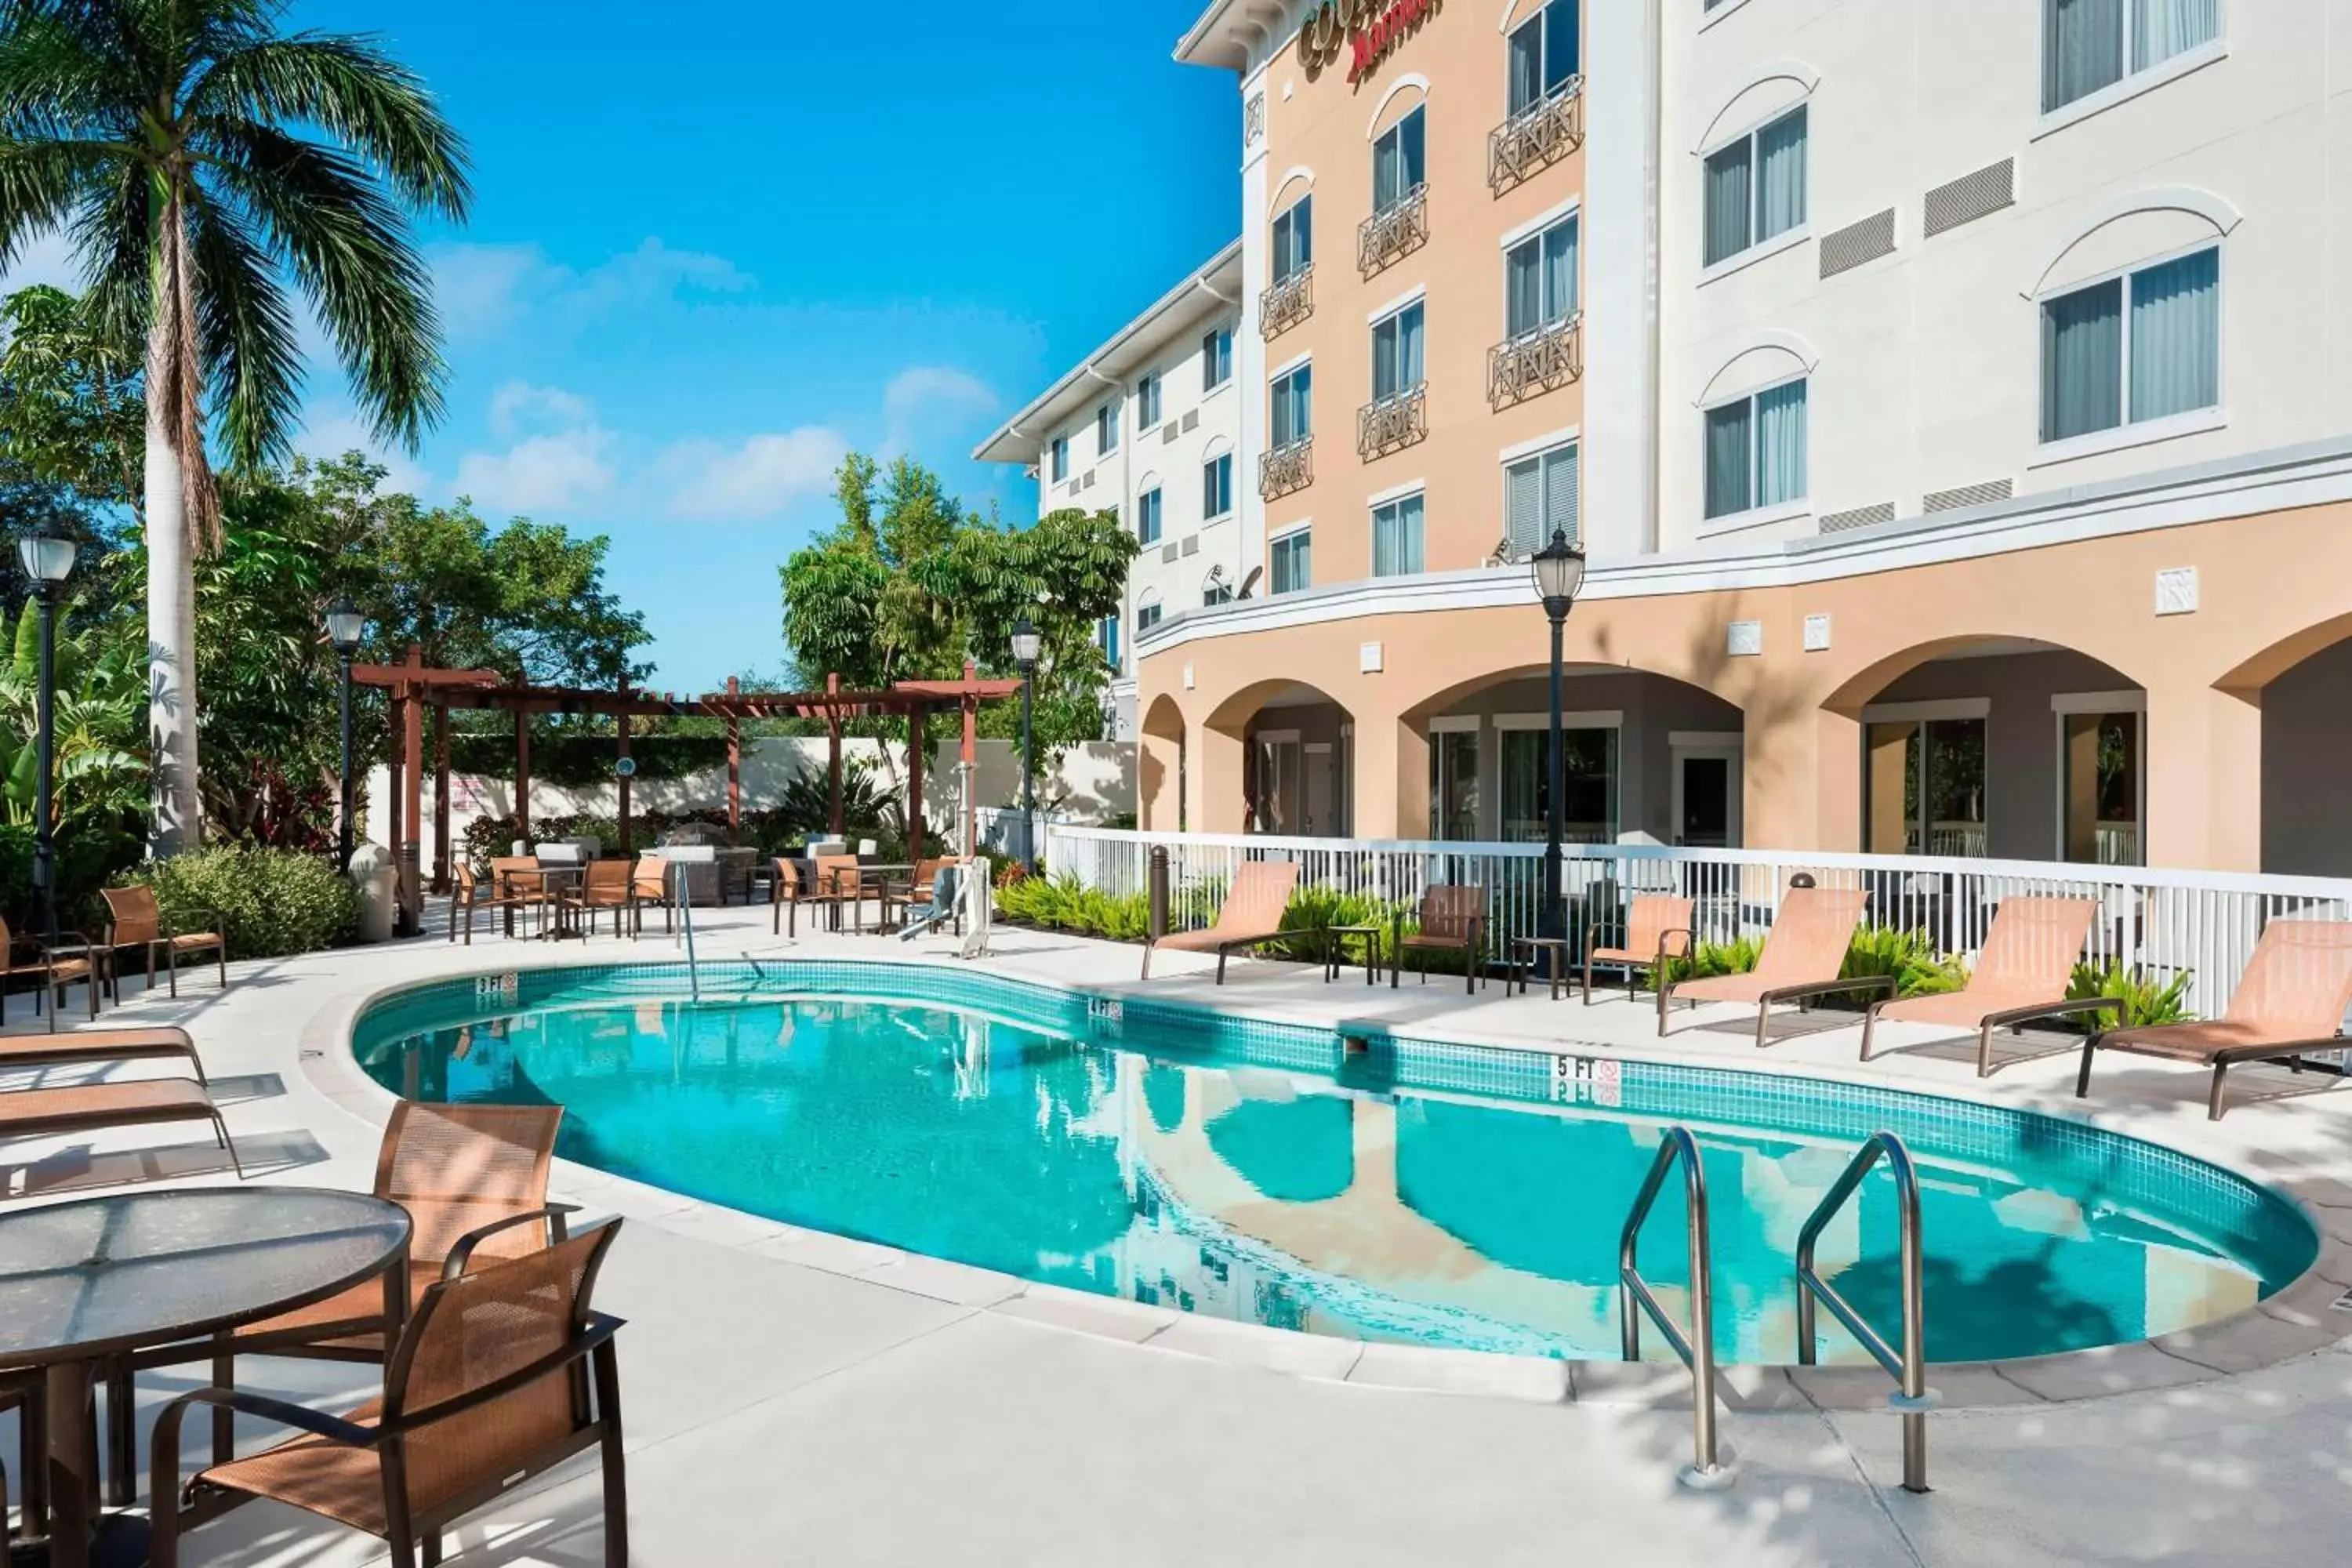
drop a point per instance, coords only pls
(1558, 571)
(1026, 644)
(47, 560)
(345, 627)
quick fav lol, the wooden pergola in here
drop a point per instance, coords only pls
(412, 688)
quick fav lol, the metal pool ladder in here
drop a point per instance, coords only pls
(1707, 1471)
(682, 896)
(1907, 1366)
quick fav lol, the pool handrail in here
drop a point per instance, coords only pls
(1707, 1471)
(1907, 1366)
(682, 895)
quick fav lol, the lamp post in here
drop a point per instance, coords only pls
(1558, 569)
(47, 558)
(1025, 643)
(345, 627)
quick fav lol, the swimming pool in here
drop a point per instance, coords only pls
(1452, 1196)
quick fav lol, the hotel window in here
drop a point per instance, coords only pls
(1216, 359)
(1147, 402)
(2102, 783)
(1539, 497)
(1399, 161)
(1107, 429)
(1754, 187)
(1924, 787)
(1216, 590)
(1397, 357)
(1539, 280)
(1291, 404)
(1147, 616)
(1290, 561)
(1543, 55)
(1147, 516)
(1454, 784)
(1059, 460)
(1396, 537)
(1587, 808)
(1293, 239)
(2137, 347)
(2090, 43)
(1756, 450)
(1216, 486)
(1107, 639)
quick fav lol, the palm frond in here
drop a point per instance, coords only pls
(248, 336)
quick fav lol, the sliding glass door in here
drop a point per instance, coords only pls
(1589, 805)
(1924, 787)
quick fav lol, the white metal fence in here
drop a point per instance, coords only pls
(2160, 922)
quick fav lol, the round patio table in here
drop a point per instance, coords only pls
(80, 1282)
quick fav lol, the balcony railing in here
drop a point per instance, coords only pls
(1287, 303)
(1392, 423)
(1393, 233)
(1286, 469)
(1536, 362)
(1549, 129)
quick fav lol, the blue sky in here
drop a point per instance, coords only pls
(705, 259)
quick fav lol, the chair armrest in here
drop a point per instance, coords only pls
(593, 1335)
(462, 1253)
(1690, 942)
(318, 1424)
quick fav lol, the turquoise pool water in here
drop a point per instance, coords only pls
(1435, 1194)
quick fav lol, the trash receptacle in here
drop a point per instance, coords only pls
(373, 880)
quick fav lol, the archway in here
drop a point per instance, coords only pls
(1160, 781)
(2303, 691)
(1296, 773)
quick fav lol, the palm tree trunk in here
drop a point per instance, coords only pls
(171, 609)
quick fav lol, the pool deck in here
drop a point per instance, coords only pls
(795, 1397)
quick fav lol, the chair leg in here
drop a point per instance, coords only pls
(172, 964)
(2213, 1101)
(431, 1547)
(616, 1486)
(1869, 1024)
(121, 1442)
(1146, 962)
(1984, 1047)
(1763, 1025)
(2083, 1078)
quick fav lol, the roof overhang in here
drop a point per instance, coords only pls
(1230, 33)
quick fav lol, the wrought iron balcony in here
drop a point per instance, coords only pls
(1535, 363)
(1392, 423)
(1286, 469)
(1549, 129)
(1393, 233)
(1287, 303)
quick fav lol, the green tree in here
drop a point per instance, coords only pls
(199, 156)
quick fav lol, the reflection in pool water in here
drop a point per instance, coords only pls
(1145, 1167)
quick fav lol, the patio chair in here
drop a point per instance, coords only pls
(920, 890)
(504, 1373)
(1803, 954)
(135, 920)
(100, 1045)
(2291, 1000)
(1252, 916)
(511, 892)
(97, 1107)
(609, 885)
(470, 891)
(840, 880)
(649, 883)
(1453, 920)
(2023, 974)
(943, 900)
(59, 967)
(1658, 926)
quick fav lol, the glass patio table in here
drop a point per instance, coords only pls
(82, 1282)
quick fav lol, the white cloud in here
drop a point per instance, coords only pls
(759, 478)
(332, 435)
(556, 473)
(915, 393)
(518, 406)
(486, 290)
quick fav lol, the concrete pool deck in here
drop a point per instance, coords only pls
(794, 1397)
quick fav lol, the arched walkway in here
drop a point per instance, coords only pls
(1297, 771)
(2306, 755)
(1160, 781)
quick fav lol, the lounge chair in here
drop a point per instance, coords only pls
(1658, 927)
(2291, 1000)
(2023, 974)
(99, 1045)
(57, 966)
(1453, 920)
(97, 1107)
(503, 1373)
(1252, 916)
(1804, 954)
(135, 920)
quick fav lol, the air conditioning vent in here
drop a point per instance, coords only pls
(1859, 517)
(1971, 197)
(1167, 553)
(1856, 243)
(1191, 544)
(1089, 481)
(1967, 495)
(1192, 420)
(1167, 432)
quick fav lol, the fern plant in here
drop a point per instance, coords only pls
(2145, 1000)
(1916, 967)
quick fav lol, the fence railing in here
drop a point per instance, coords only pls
(1396, 231)
(1536, 362)
(1285, 468)
(2161, 923)
(1548, 128)
(1288, 302)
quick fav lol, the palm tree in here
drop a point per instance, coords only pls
(200, 159)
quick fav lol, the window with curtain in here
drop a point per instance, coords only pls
(1059, 459)
(1396, 537)
(1217, 487)
(1543, 55)
(1216, 359)
(2087, 45)
(1107, 638)
(1107, 429)
(1147, 402)
(1753, 189)
(1290, 561)
(1147, 516)
(1147, 616)
(1454, 785)
(1399, 161)
(1539, 279)
(2143, 346)
(1398, 361)
(1539, 498)
(1291, 406)
(1755, 451)
(1294, 239)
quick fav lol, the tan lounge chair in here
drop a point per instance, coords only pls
(2291, 1000)
(1453, 920)
(503, 1373)
(1252, 916)
(135, 920)
(1657, 927)
(2023, 974)
(1804, 954)
(93, 1108)
(99, 1045)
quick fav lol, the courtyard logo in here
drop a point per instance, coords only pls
(1368, 30)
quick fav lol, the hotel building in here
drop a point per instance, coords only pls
(1951, 399)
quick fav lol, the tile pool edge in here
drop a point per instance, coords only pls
(2298, 1319)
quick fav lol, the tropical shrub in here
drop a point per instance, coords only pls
(1714, 958)
(1917, 967)
(268, 902)
(2145, 1000)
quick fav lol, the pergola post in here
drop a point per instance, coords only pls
(397, 713)
(621, 722)
(734, 759)
(915, 761)
(522, 774)
(969, 758)
(440, 797)
(412, 859)
(832, 741)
